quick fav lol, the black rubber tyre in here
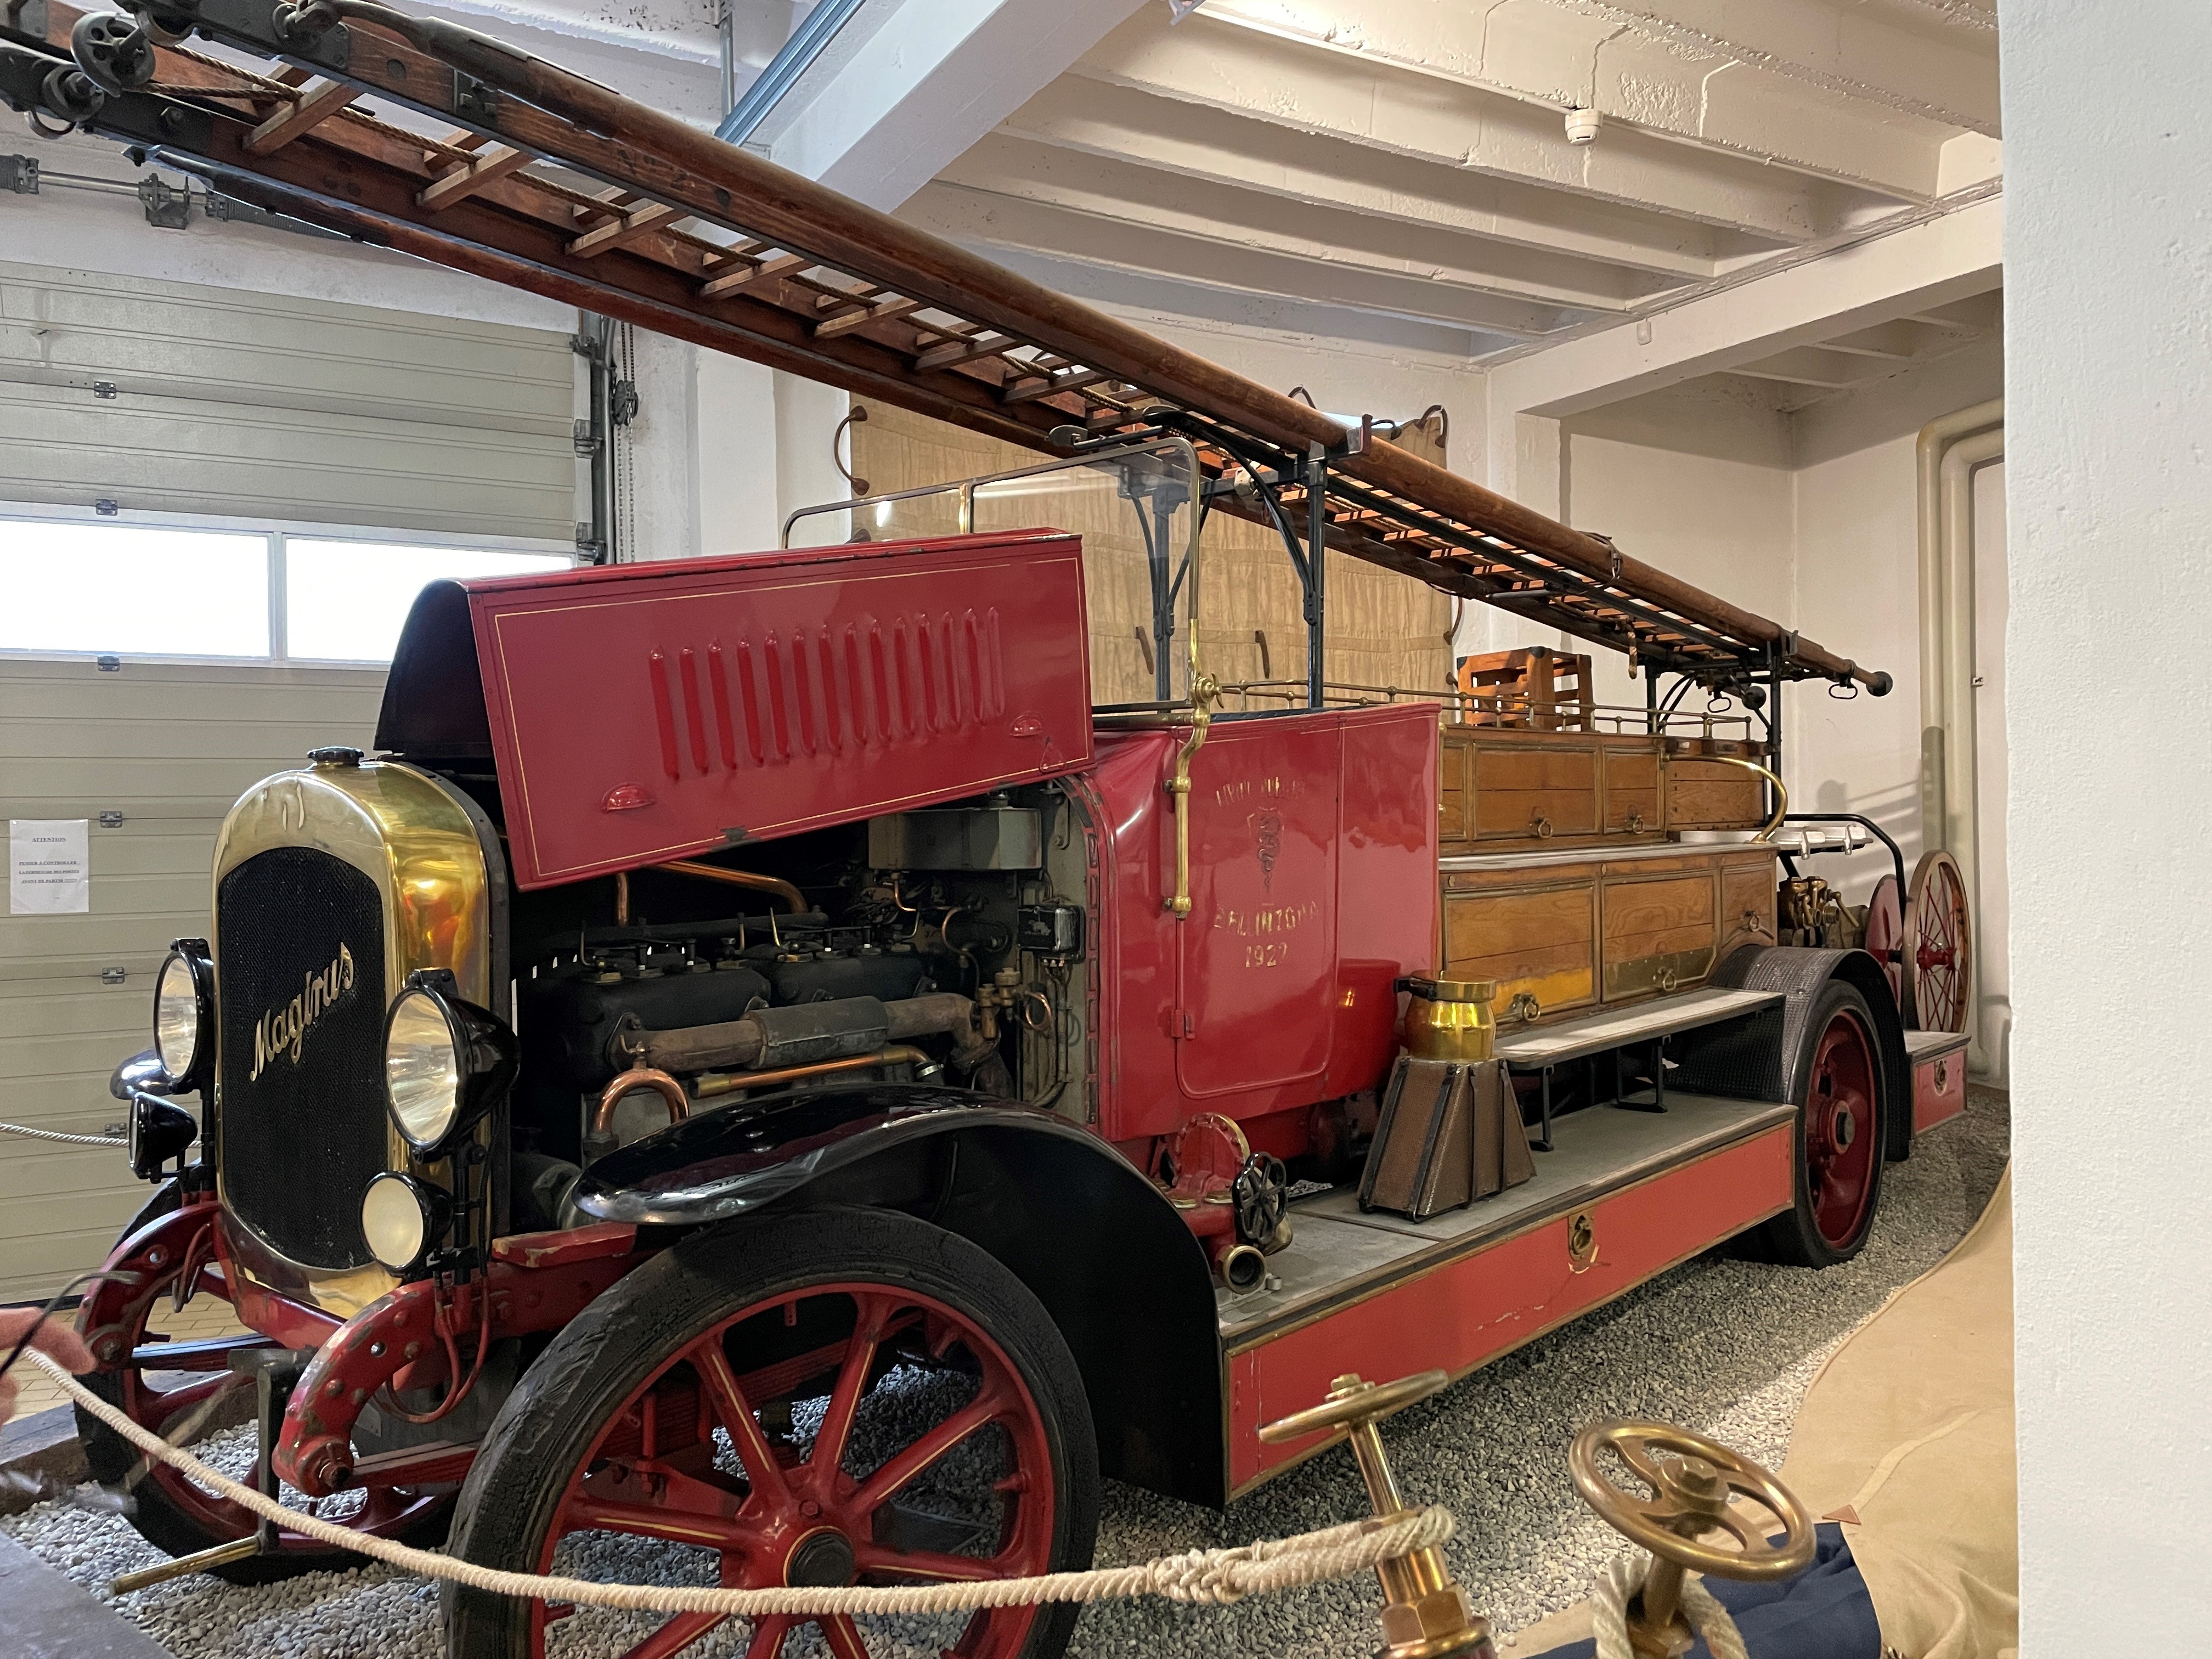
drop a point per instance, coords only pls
(551, 1421)
(157, 1515)
(1820, 1230)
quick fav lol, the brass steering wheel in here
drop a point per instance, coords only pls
(1352, 1403)
(1691, 1480)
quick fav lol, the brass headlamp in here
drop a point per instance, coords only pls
(446, 1061)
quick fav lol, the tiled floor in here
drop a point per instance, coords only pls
(204, 1317)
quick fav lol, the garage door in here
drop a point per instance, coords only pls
(172, 397)
(169, 399)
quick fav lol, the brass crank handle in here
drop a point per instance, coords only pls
(1690, 1495)
(1348, 1407)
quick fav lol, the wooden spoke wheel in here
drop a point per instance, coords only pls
(834, 1398)
(1885, 940)
(1842, 1100)
(1937, 952)
(172, 1511)
(1841, 1130)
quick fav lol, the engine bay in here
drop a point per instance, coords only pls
(944, 946)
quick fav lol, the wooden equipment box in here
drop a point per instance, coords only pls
(1575, 931)
(1498, 788)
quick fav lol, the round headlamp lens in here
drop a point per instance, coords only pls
(177, 1017)
(400, 1218)
(421, 1068)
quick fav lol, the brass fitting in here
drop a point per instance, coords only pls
(1425, 1614)
(1003, 992)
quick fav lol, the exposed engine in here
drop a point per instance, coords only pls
(931, 945)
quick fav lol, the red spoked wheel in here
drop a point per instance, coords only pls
(1838, 1143)
(1840, 1123)
(904, 1413)
(1938, 949)
(1885, 941)
(166, 1392)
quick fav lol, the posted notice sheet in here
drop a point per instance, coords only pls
(49, 868)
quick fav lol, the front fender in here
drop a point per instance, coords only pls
(741, 1159)
(1127, 1282)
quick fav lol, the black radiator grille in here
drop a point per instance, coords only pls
(300, 981)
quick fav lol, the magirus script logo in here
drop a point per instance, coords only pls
(281, 1030)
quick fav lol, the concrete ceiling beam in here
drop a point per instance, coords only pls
(1904, 340)
(1339, 237)
(1199, 141)
(979, 218)
(1285, 85)
(1544, 53)
(1816, 366)
(1288, 323)
(927, 84)
(1955, 261)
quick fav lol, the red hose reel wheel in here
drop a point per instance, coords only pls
(1936, 954)
(1885, 941)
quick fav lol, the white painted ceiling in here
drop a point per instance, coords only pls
(1399, 171)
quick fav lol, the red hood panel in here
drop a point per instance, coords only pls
(648, 712)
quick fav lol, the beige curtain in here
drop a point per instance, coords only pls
(1385, 629)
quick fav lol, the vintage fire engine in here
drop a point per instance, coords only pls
(755, 1061)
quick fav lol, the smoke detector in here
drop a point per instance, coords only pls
(1583, 126)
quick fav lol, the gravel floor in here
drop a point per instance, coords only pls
(1720, 1345)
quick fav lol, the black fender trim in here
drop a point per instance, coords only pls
(1124, 1278)
(1747, 1059)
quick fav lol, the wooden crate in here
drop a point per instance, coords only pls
(1533, 689)
(1616, 927)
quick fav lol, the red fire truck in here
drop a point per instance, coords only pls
(756, 1063)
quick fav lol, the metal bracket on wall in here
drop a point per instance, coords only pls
(167, 209)
(19, 174)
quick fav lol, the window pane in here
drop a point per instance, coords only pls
(346, 601)
(132, 589)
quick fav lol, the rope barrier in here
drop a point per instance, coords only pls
(1618, 1584)
(1216, 1576)
(56, 1134)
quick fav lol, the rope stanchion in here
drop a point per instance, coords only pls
(1218, 1577)
(1617, 1586)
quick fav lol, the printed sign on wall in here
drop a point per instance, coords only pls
(49, 868)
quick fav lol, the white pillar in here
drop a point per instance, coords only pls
(1528, 463)
(656, 484)
(806, 416)
(735, 438)
(2109, 823)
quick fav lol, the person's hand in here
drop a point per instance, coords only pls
(56, 1337)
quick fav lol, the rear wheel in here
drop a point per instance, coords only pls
(1839, 1136)
(833, 1397)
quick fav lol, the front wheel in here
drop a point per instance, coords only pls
(171, 1510)
(1839, 1136)
(830, 1397)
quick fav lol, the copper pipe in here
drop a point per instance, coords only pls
(782, 889)
(898, 1054)
(640, 1077)
(621, 898)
